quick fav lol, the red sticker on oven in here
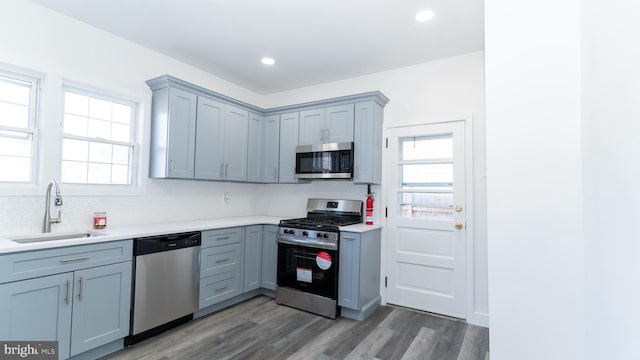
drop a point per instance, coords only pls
(323, 259)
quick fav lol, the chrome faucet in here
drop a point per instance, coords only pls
(48, 220)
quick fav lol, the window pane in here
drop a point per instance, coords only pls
(427, 173)
(99, 174)
(77, 150)
(99, 129)
(120, 132)
(20, 169)
(427, 148)
(75, 125)
(99, 109)
(74, 172)
(15, 92)
(120, 174)
(99, 152)
(427, 205)
(76, 104)
(15, 144)
(122, 114)
(14, 115)
(122, 154)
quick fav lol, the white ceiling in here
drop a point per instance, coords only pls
(313, 41)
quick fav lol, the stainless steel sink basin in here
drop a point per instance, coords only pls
(51, 237)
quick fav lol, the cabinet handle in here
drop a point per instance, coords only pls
(68, 292)
(171, 166)
(223, 237)
(327, 136)
(222, 288)
(275, 174)
(222, 260)
(81, 289)
(348, 238)
(80, 258)
(221, 167)
(226, 170)
(321, 135)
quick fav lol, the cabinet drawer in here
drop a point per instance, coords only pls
(217, 288)
(31, 264)
(219, 259)
(222, 236)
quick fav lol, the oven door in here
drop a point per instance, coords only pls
(309, 269)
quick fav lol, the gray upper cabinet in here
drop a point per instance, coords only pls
(368, 143)
(236, 126)
(208, 158)
(328, 125)
(288, 143)
(263, 148)
(173, 134)
(200, 134)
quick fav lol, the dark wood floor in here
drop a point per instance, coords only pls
(261, 329)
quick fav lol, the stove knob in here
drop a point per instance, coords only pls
(325, 236)
(319, 235)
(289, 231)
(305, 233)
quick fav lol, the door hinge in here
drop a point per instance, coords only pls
(386, 212)
(386, 143)
(385, 281)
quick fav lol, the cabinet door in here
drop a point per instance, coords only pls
(271, 148)
(38, 309)
(182, 134)
(269, 256)
(236, 124)
(101, 304)
(367, 143)
(339, 123)
(209, 139)
(349, 274)
(312, 127)
(253, 258)
(256, 149)
(288, 142)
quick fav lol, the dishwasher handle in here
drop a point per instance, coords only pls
(154, 244)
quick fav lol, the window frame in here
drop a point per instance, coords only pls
(136, 133)
(20, 75)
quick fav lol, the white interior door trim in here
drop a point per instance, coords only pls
(471, 316)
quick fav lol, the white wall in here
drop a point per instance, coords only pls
(534, 180)
(611, 94)
(436, 91)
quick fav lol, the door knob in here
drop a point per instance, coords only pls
(458, 225)
(458, 208)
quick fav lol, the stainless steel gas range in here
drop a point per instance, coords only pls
(308, 250)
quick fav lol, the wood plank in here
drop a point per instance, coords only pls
(421, 346)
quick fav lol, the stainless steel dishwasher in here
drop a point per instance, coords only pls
(166, 283)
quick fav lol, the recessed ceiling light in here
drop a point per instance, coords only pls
(268, 61)
(425, 15)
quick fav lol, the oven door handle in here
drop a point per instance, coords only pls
(309, 243)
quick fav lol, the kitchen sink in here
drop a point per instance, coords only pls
(51, 237)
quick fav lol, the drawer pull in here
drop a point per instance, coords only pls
(79, 258)
(222, 288)
(81, 288)
(222, 260)
(223, 237)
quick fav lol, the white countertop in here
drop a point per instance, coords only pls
(129, 232)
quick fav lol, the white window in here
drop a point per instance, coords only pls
(18, 127)
(99, 138)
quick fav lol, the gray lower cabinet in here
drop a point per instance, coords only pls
(269, 256)
(367, 143)
(221, 265)
(82, 303)
(252, 258)
(359, 275)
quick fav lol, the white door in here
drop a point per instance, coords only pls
(426, 218)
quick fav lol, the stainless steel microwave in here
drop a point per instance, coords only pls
(325, 161)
